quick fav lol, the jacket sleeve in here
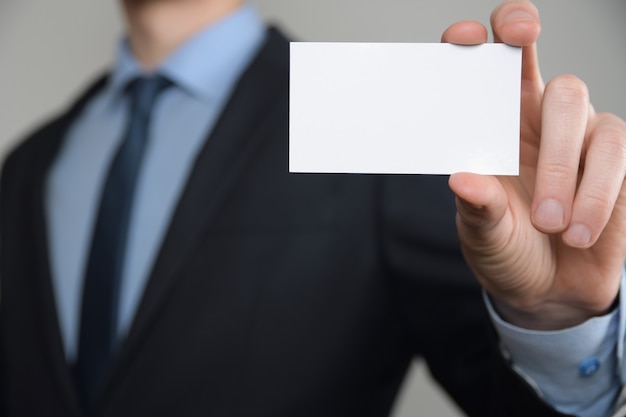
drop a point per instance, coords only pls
(440, 302)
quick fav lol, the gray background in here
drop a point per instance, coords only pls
(49, 50)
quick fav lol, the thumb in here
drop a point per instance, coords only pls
(482, 221)
(517, 23)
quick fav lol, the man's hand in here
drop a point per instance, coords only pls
(549, 245)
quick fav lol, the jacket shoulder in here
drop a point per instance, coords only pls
(45, 139)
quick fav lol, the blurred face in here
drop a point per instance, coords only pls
(204, 3)
(156, 27)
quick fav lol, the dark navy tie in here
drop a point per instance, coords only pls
(98, 325)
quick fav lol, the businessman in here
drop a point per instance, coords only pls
(158, 260)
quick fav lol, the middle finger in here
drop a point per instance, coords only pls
(565, 111)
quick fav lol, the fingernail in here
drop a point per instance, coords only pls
(517, 15)
(549, 214)
(578, 235)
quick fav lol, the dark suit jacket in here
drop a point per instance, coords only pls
(273, 294)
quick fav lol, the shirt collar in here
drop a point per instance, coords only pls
(208, 64)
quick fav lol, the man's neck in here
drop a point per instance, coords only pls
(157, 27)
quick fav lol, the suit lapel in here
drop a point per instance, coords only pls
(258, 102)
(51, 140)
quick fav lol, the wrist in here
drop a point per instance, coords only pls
(548, 316)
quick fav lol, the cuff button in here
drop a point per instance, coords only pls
(588, 367)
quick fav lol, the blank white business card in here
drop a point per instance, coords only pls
(402, 108)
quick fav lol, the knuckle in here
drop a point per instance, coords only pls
(569, 88)
(560, 173)
(598, 202)
(613, 121)
(611, 139)
(614, 141)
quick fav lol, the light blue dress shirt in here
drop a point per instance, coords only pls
(579, 370)
(204, 71)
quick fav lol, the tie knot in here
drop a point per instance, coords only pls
(145, 90)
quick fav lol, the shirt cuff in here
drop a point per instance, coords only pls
(577, 370)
